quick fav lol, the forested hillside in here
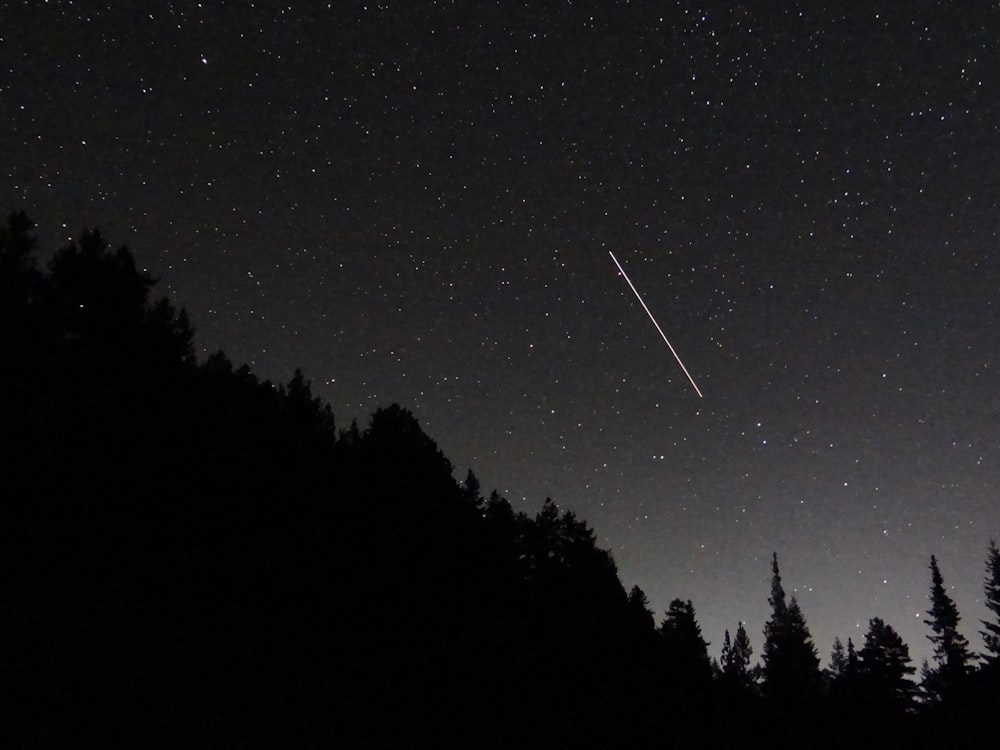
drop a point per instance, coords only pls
(192, 557)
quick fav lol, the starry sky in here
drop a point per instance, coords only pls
(415, 202)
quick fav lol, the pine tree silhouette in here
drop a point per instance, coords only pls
(791, 665)
(685, 649)
(838, 659)
(734, 663)
(952, 658)
(991, 590)
(884, 669)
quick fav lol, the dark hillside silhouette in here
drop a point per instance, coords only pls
(193, 557)
(191, 554)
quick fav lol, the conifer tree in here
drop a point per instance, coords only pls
(991, 589)
(791, 665)
(727, 651)
(639, 609)
(685, 649)
(952, 658)
(735, 662)
(842, 672)
(471, 490)
(884, 668)
(838, 660)
(742, 651)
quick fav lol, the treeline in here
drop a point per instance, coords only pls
(193, 557)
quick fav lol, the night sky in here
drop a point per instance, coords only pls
(415, 202)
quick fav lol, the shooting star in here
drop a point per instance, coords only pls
(662, 334)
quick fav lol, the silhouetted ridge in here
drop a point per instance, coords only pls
(193, 557)
(182, 538)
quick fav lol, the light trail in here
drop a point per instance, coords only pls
(662, 334)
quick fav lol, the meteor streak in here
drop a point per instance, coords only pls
(662, 334)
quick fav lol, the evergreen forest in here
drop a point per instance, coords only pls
(192, 557)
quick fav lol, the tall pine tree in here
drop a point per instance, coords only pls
(686, 671)
(791, 664)
(685, 650)
(952, 658)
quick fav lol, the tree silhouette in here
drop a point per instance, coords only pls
(639, 609)
(883, 669)
(991, 590)
(471, 489)
(26, 332)
(726, 654)
(17, 244)
(734, 663)
(685, 668)
(952, 658)
(184, 539)
(842, 676)
(791, 665)
(101, 295)
(685, 650)
(19, 278)
(839, 662)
